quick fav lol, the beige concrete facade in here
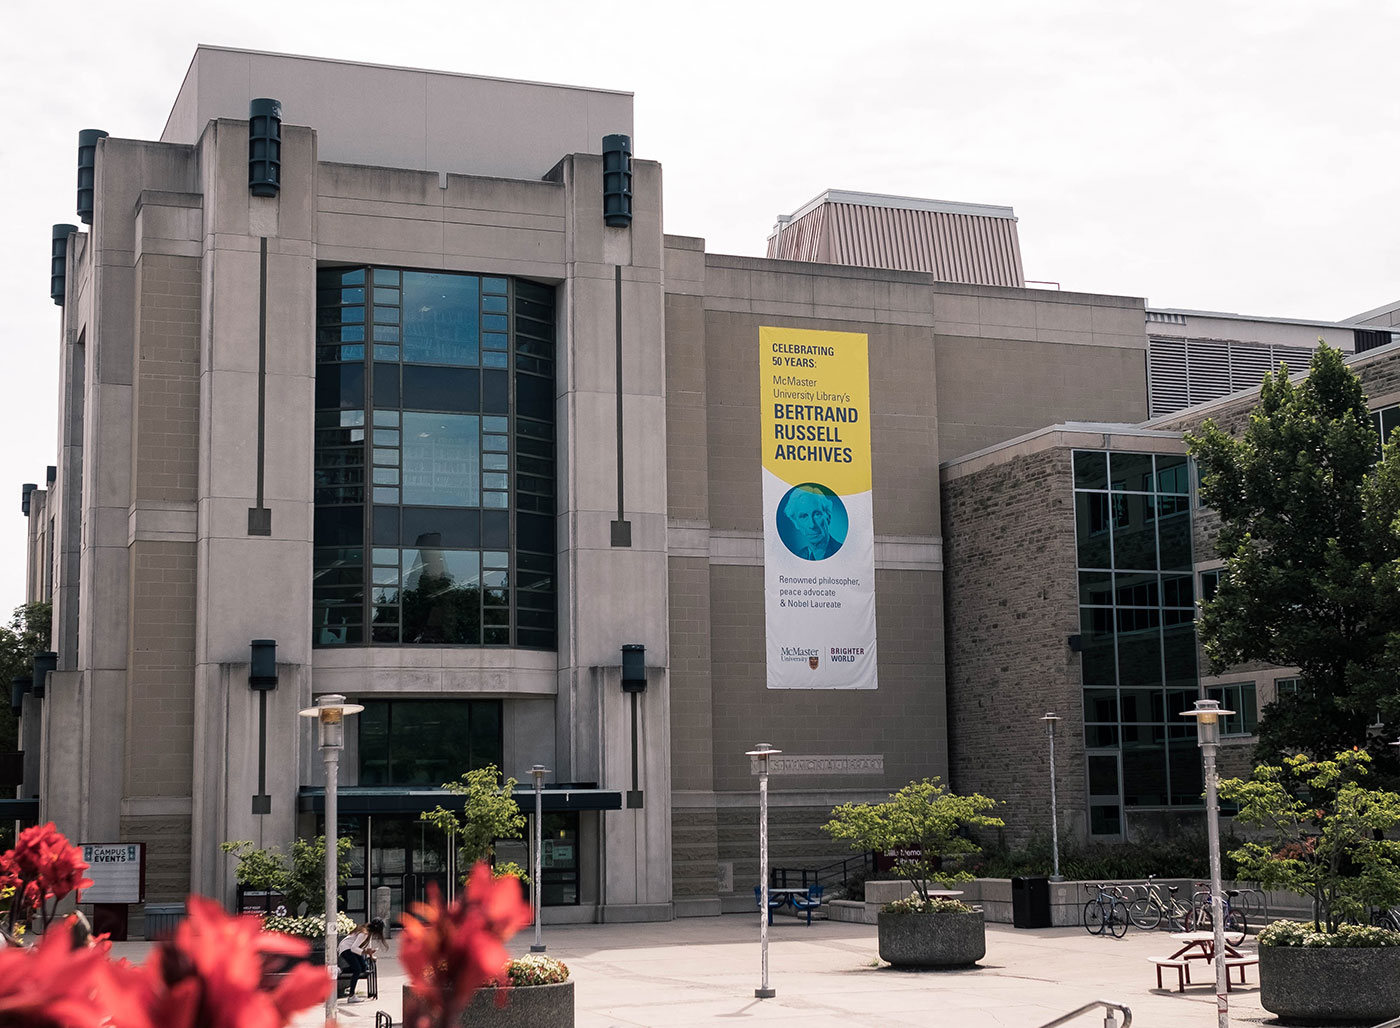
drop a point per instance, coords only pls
(149, 730)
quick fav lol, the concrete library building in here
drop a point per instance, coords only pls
(389, 384)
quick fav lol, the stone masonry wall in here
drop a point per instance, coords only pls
(1012, 603)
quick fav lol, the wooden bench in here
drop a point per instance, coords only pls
(1182, 968)
(1241, 962)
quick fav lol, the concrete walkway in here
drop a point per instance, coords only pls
(703, 971)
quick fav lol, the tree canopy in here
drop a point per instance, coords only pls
(489, 812)
(1324, 834)
(917, 826)
(1310, 536)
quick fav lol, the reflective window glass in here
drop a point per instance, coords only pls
(441, 315)
(441, 459)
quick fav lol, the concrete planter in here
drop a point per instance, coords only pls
(1309, 985)
(531, 1006)
(932, 940)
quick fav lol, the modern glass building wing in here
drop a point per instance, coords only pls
(1136, 610)
(435, 459)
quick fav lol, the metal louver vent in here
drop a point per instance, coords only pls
(1185, 372)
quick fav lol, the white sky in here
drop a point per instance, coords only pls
(1221, 155)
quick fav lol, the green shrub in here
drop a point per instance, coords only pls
(1182, 856)
(919, 825)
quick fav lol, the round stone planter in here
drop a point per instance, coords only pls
(531, 1006)
(1310, 985)
(932, 940)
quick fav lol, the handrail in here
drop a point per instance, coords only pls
(1394, 1022)
(1108, 1021)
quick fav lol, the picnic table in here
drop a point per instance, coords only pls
(787, 897)
(1201, 946)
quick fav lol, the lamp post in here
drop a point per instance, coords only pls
(763, 751)
(538, 772)
(330, 711)
(1050, 718)
(1207, 715)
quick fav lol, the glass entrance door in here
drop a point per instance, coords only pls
(396, 851)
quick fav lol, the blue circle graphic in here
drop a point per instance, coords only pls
(812, 521)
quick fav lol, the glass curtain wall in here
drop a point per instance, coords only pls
(435, 459)
(1136, 608)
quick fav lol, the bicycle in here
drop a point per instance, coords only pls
(1386, 918)
(1105, 912)
(1148, 910)
(1235, 920)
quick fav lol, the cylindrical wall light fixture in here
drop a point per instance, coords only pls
(58, 262)
(87, 172)
(264, 146)
(617, 181)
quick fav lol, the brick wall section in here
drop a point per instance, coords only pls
(160, 665)
(687, 459)
(692, 729)
(167, 839)
(795, 839)
(1012, 599)
(160, 678)
(166, 394)
(694, 852)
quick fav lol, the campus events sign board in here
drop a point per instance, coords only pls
(117, 870)
(818, 536)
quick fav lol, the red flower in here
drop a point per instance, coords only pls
(210, 975)
(43, 866)
(55, 985)
(452, 950)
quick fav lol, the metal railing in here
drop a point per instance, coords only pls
(836, 873)
(1108, 1019)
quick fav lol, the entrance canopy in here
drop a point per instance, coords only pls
(390, 800)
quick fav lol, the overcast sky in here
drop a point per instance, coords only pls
(1212, 155)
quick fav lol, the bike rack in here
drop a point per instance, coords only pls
(1108, 1019)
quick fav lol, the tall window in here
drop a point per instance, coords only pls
(435, 459)
(1386, 420)
(427, 742)
(1136, 605)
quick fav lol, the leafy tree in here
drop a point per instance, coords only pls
(1311, 542)
(489, 812)
(920, 825)
(302, 879)
(25, 635)
(1324, 834)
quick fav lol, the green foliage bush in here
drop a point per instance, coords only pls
(1327, 834)
(489, 812)
(1182, 856)
(302, 880)
(920, 824)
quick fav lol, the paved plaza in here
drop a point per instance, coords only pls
(703, 971)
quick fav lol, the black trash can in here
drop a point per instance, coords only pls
(1030, 902)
